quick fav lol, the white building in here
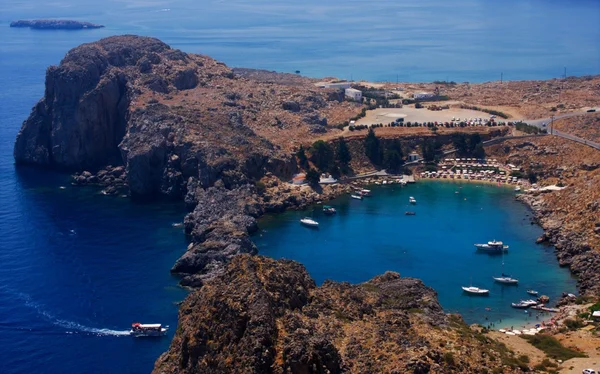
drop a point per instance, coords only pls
(353, 94)
(423, 95)
(340, 85)
(413, 157)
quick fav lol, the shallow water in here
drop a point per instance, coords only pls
(374, 235)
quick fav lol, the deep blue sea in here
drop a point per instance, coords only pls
(77, 268)
(367, 237)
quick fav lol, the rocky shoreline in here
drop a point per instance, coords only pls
(572, 248)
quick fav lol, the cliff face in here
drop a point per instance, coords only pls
(267, 316)
(180, 126)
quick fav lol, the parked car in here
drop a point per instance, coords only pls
(591, 111)
(589, 371)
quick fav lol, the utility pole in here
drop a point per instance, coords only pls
(552, 125)
(501, 74)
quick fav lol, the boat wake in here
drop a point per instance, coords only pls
(71, 326)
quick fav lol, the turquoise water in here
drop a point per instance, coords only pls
(374, 235)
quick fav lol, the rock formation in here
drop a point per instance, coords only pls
(131, 112)
(267, 316)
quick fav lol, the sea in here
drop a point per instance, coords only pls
(76, 267)
(371, 236)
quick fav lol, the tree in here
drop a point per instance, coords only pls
(392, 160)
(321, 154)
(302, 157)
(313, 177)
(342, 153)
(428, 150)
(532, 176)
(373, 147)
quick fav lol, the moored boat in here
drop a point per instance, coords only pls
(412, 200)
(153, 329)
(365, 192)
(492, 246)
(476, 291)
(329, 210)
(306, 221)
(357, 197)
(517, 189)
(506, 279)
(532, 292)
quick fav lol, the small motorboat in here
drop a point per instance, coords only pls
(476, 291)
(153, 329)
(492, 246)
(520, 305)
(365, 192)
(357, 197)
(412, 200)
(309, 222)
(517, 189)
(410, 213)
(329, 210)
(532, 292)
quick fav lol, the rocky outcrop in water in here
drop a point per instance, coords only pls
(55, 24)
(267, 316)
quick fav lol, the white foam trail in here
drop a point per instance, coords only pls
(69, 325)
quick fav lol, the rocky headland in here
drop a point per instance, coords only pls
(267, 316)
(132, 114)
(55, 24)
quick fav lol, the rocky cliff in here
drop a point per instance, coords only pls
(267, 316)
(131, 112)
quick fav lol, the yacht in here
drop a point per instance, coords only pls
(492, 246)
(306, 221)
(476, 290)
(412, 200)
(506, 279)
(153, 329)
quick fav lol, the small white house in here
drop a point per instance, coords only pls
(423, 95)
(337, 85)
(413, 156)
(353, 94)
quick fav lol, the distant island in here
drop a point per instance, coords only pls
(55, 24)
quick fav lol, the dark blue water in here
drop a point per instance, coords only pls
(77, 268)
(374, 235)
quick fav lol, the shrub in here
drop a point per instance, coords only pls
(552, 347)
(313, 177)
(260, 187)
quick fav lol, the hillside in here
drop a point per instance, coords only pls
(267, 316)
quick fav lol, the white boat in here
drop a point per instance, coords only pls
(306, 221)
(365, 192)
(524, 304)
(475, 290)
(412, 200)
(517, 189)
(492, 246)
(506, 279)
(532, 292)
(153, 329)
(357, 197)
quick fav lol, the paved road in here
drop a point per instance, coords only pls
(576, 139)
